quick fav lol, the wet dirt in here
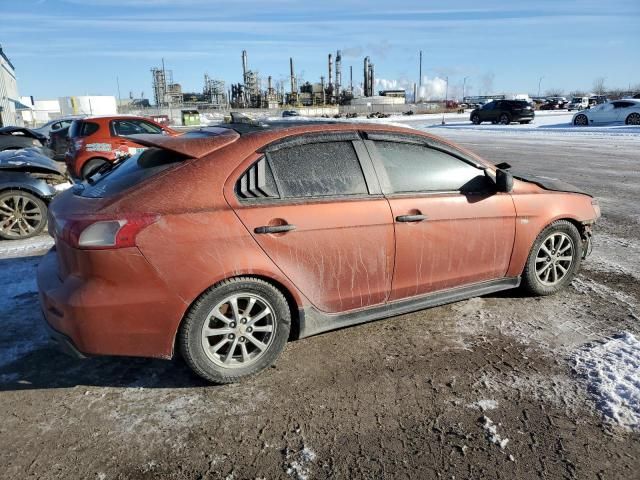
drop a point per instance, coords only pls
(433, 394)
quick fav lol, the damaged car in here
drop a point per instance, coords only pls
(15, 138)
(28, 182)
(223, 244)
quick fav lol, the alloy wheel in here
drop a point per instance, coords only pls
(239, 330)
(554, 258)
(581, 120)
(633, 119)
(20, 216)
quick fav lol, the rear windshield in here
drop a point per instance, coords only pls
(81, 128)
(129, 173)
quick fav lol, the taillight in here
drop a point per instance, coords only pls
(102, 233)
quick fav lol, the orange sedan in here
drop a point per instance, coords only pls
(223, 244)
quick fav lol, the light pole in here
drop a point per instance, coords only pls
(539, 82)
(446, 100)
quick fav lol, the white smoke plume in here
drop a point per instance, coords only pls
(431, 88)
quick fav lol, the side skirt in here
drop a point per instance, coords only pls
(313, 321)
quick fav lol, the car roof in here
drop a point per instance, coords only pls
(200, 143)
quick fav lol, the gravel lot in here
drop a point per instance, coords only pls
(485, 388)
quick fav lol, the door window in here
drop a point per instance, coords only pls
(418, 168)
(318, 170)
(133, 127)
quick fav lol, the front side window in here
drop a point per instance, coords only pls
(418, 168)
(133, 127)
(318, 170)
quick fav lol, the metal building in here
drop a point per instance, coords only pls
(9, 100)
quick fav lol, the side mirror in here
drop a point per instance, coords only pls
(504, 181)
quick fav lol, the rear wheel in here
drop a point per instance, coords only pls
(91, 166)
(554, 259)
(475, 119)
(505, 119)
(581, 120)
(22, 215)
(235, 330)
(633, 119)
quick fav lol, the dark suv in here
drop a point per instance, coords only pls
(503, 111)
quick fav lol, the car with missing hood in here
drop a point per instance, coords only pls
(28, 182)
(223, 244)
(97, 141)
(15, 138)
(626, 111)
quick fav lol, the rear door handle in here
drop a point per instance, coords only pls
(410, 218)
(274, 229)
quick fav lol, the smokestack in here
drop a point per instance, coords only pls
(293, 78)
(269, 87)
(324, 98)
(244, 65)
(338, 72)
(351, 78)
(371, 80)
(330, 77)
(420, 77)
(366, 76)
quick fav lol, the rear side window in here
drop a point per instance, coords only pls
(83, 129)
(130, 172)
(417, 168)
(318, 170)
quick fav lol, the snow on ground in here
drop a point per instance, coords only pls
(491, 429)
(612, 371)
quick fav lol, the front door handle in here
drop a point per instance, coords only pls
(411, 218)
(274, 229)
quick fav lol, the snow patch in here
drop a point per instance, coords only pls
(491, 429)
(484, 405)
(612, 371)
(299, 467)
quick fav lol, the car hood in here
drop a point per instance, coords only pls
(548, 183)
(23, 131)
(28, 160)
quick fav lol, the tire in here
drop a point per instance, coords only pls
(633, 119)
(581, 120)
(222, 348)
(541, 267)
(475, 119)
(505, 119)
(91, 166)
(22, 215)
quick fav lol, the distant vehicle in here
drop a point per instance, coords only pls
(578, 103)
(503, 111)
(597, 100)
(290, 113)
(626, 110)
(28, 182)
(97, 141)
(58, 142)
(221, 247)
(15, 138)
(554, 103)
(57, 124)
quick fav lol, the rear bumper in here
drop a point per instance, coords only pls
(127, 315)
(62, 342)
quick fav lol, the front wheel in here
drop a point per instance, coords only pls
(235, 329)
(22, 215)
(554, 259)
(475, 119)
(633, 119)
(581, 120)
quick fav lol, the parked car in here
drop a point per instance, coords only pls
(597, 100)
(57, 124)
(554, 103)
(578, 103)
(58, 142)
(15, 138)
(290, 113)
(223, 244)
(96, 141)
(28, 182)
(503, 111)
(626, 110)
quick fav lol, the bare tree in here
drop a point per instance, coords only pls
(598, 86)
(578, 93)
(554, 92)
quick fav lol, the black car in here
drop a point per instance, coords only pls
(28, 182)
(503, 111)
(14, 138)
(290, 113)
(58, 142)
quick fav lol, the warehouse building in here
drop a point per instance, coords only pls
(9, 101)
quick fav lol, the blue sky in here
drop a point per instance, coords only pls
(76, 47)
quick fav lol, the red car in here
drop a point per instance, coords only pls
(95, 141)
(223, 244)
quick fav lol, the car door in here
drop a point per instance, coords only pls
(602, 113)
(489, 112)
(452, 227)
(621, 109)
(122, 128)
(319, 214)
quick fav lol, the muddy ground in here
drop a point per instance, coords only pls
(405, 397)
